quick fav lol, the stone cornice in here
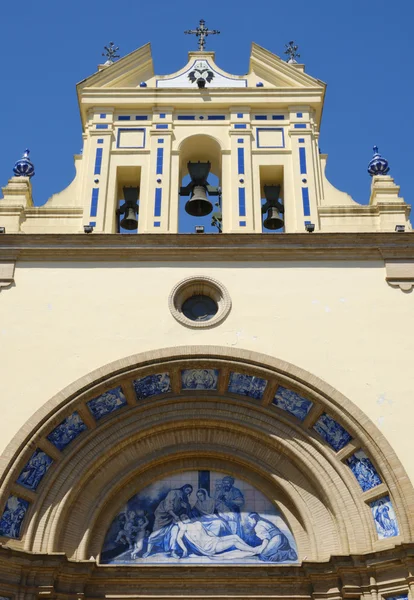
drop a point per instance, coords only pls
(207, 247)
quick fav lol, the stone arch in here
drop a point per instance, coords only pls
(178, 429)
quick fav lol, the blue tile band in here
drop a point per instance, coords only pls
(242, 202)
(94, 202)
(305, 200)
(158, 200)
(160, 158)
(216, 118)
(302, 160)
(98, 161)
(240, 159)
(186, 118)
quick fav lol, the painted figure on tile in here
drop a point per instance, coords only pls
(384, 517)
(67, 431)
(13, 515)
(332, 432)
(180, 519)
(364, 470)
(107, 403)
(229, 503)
(167, 514)
(275, 546)
(152, 385)
(33, 472)
(292, 403)
(247, 385)
(199, 379)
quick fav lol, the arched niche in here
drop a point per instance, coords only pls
(203, 408)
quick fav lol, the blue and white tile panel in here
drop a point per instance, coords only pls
(67, 431)
(384, 518)
(332, 432)
(364, 471)
(292, 402)
(34, 471)
(247, 385)
(199, 379)
(107, 403)
(12, 518)
(152, 385)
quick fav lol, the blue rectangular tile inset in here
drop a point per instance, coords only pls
(162, 115)
(160, 140)
(100, 141)
(332, 432)
(157, 205)
(107, 403)
(34, 471)
(141, 118)
(12, 518)
(299, 126)
(102, 116)
(160, 159)
(161, 126)
(240, 160)
(92, 223)
(242, 223)
(301, 140)
(102, 126)
(240, 140)
(278, 117)
(384, 518)
(124, 118)
(67, 431)
(240, 126)
(240, 115)
(186, 118)
(299, 115)
(305, 200)
(242, 202)
(216, 118)
(157, 224)
(302, 160)
(261, 117)
(98, 161)
(94, 202)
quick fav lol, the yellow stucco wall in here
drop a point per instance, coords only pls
(340, 321)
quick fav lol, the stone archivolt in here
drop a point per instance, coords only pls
(179, 430)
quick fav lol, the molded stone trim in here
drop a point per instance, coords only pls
(6, 273)
(400, 273)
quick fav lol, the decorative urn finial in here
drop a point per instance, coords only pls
(24, 167)
(378, 165)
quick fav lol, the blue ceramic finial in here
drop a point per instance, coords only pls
(378, 165)
(24, 167)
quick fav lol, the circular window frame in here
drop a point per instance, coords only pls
(203, 286)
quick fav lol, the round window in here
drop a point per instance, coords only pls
(199, 302)
(199, 308)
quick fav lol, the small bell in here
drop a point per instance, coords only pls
(198, 205)
(129, 209)
(274, 208)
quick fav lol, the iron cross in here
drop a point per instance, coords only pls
(202, 32)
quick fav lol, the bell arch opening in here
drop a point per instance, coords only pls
(201, 182)
(213, 413)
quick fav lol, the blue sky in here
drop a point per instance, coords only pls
(362, 50)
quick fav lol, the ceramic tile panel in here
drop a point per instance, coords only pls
(67, 431)
(364, 471)
(107, 403)
(219, 519)
(397, 597)
(34, 471)
(332, 432)
(199, 379)
(384, 518)
(247, 385)
(292, 402)
(12, 518)
(152, 385)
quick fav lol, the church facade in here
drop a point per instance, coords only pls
(205, 414)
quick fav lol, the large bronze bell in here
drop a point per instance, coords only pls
(129, 209)
(274, 208)
(198, 205)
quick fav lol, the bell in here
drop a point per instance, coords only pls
(274, 208)
(199, 205)
(129, 209)
(273, 219)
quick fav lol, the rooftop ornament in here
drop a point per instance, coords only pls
(292, 52)
(202, 32)
(111, 53)
(24, 167)
(378, 165)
